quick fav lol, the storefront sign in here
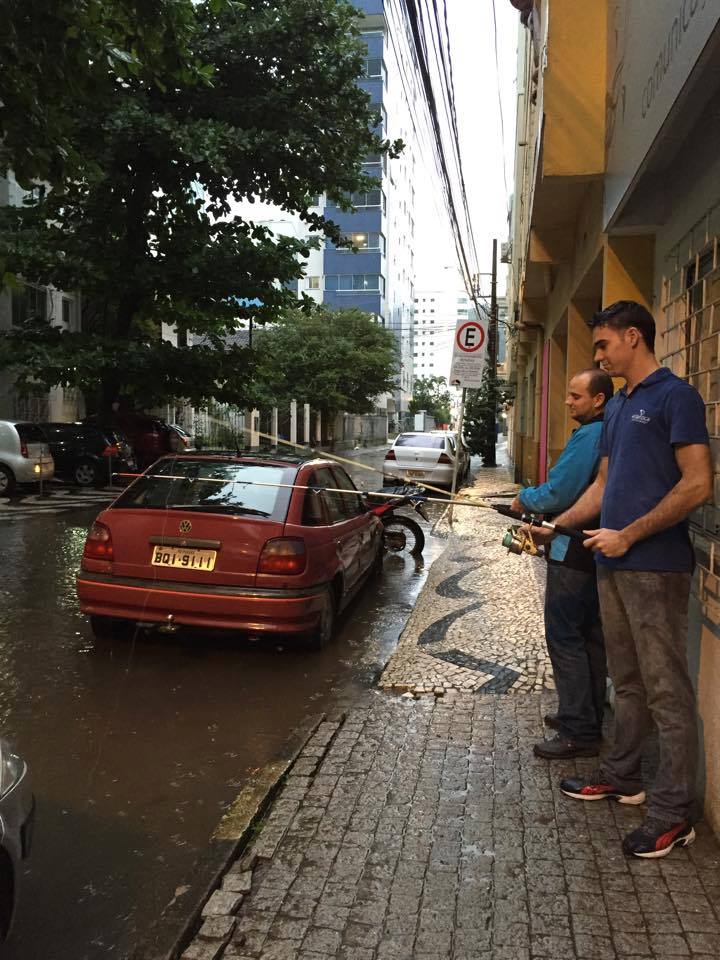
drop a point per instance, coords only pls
(652, 47)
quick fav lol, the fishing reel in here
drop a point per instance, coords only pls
(519, 541)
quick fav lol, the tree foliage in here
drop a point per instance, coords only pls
(481, 415)
(59, 56)
(431, 394)
(231, 101)
(335, 360)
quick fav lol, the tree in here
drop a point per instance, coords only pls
(335, 360)
(431, 394)
(59, 56)
(481, 412)
(147, 227)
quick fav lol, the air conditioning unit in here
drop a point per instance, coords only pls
(506, 252)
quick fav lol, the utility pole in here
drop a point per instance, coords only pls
(492, 352)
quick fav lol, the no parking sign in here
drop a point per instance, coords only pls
(469, 349)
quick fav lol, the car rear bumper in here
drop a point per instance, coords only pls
(201, 605)
(25, 472)
(441, 476)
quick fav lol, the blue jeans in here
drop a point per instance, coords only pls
(577, 651)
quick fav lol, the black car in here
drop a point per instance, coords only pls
(88, 454)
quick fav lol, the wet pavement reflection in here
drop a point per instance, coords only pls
(135, 747)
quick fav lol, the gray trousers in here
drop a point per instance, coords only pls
(644, 617)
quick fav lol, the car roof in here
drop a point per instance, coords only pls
(269, 457)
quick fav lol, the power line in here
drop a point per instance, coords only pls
(502, 118)
(414, 14)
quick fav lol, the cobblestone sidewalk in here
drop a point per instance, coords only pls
(478, 624)
(424, 829)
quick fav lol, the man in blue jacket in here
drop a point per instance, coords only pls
(572, 615)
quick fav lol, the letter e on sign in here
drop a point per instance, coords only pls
(470, 336)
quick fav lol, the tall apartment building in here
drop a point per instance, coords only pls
(434, 323)
(379, 276)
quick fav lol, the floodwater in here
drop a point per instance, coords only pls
(136, 747)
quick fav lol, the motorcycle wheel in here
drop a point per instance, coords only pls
(403, 533)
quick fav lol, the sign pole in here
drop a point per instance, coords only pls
(461, 418)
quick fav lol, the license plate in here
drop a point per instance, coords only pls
(187, 558)
(416, 473)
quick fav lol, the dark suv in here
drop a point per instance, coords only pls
(88, 454)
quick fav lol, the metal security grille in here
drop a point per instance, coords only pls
(688, 342)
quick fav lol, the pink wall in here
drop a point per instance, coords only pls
(545, 391)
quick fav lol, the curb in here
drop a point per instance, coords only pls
(179, 920)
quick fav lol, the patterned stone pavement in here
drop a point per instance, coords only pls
(426, 829)
(478, 624)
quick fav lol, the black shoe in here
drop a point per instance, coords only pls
(551, 720)
(596, 787)
(656, 839)
(561, 748)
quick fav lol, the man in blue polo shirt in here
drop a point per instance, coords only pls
(572, 615)
(654, 471)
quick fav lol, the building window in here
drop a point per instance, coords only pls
(364, 241)
(379, 124)
(373, 198)
(313, 283)
(374, 68)
(377, 164)
(355, 283)
(67, 313)
(29, 303)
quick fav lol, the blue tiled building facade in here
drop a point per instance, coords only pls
(379, 276)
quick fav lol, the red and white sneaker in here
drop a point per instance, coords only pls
(595, 787)
(655, 839)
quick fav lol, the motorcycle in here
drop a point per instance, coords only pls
(399, 531)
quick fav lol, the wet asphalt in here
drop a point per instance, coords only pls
(136, 747)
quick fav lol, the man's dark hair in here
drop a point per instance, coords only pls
(625, 314)
(598, 382)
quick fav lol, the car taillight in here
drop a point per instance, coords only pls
(23, 449)
(444, 458)
(283, 555)
(111, 450)
(98, 545)
(390, 455)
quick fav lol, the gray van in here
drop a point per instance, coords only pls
(24, 455)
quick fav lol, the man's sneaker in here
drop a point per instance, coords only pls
(656, 839)
(561, 748)
(596, 787)
(551, 720)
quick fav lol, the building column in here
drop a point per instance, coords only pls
(579, 346)
(557, 391)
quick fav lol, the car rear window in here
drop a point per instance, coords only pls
(420, 440)
(212, 486)
(30, 433)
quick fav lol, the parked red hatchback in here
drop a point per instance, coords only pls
(246, 543)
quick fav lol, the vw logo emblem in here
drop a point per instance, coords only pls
(185, 526)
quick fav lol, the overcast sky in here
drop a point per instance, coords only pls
(476, 95)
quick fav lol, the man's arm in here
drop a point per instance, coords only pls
(694, 488)
(588, 506)
(568, 478)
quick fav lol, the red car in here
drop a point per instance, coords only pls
(250, 543)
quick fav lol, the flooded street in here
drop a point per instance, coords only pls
(135, 747)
